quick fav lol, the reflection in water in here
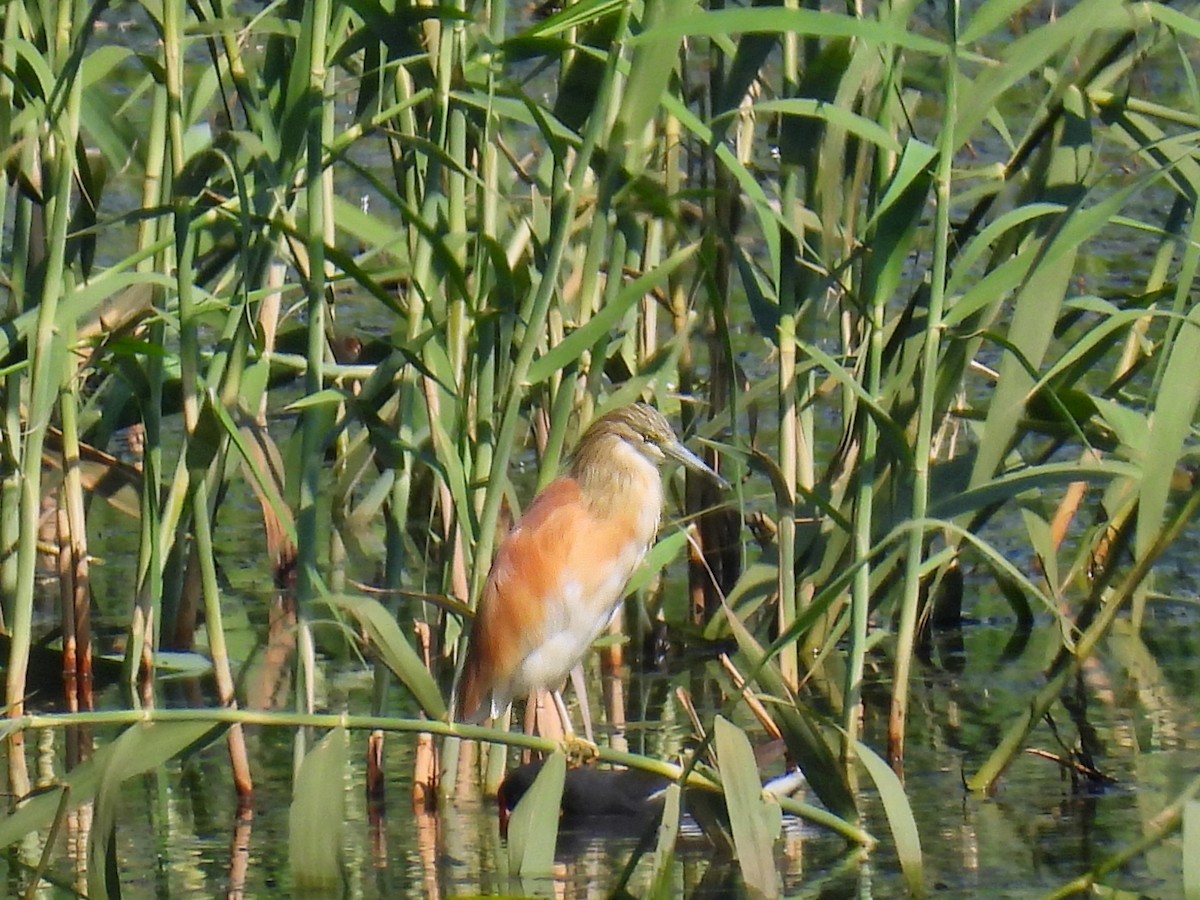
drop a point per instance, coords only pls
(271, 685)
(427, 847)
(185, 836)
(239, 853)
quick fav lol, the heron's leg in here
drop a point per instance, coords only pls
(580, 685)
(579, 750)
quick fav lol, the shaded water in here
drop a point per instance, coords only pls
(180, 833)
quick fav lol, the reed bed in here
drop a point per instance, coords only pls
(361, 259)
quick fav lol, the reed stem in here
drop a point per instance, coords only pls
(315, 421)
(47, 352)
(927, 408)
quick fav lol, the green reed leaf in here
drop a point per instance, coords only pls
(662, 885)
(38, 811)
(648, 77)
(1191, 850)
(206, 438)
(315, 818)
(1033, 50)
(394, 649)
(853, 123)
(765, 19)
(572, 16)
(263, 462)
(990, 15)
(581, 339)
(1170, 425)
(800, 732)
(140, 748)
(39, 81)
(656, 559)
(899, 815)
(1009, 486)
(1177, 20)
(896, 222)
(533, 828)
(770, 222)
(1013, 220)
(1034, 314)
(754, 816)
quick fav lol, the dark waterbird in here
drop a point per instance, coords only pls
(628, 801)
(625, 801)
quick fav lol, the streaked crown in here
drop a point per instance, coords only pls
(640, 426)
(642, 429)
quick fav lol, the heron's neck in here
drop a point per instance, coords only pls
(617, 479)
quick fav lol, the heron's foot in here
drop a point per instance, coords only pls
(579, 751)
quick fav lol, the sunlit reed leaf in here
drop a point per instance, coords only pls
(783, 21)
(316, 816)
(513, 110)
(656, 559)
(1191, 850)
(579, 340)
(755, 584)
(662, 882)
(100, 63)
(206, 439)
(1027, 339)
(1101, 338)
(1012, 485)
(647, 79)
(453, 469)
(1170, 425)
(853, 123)
(394, 650)
(760, 294)
(982, 300)
(533, 827)
(264, 468)
(1172, 18)
(38, 811)
(1130, 428)
(1030, 52)
(989, 16)
(326, 397)
(1011, 221)
(41, 86)
(896, 222)
(1032, 326)
(848, 379)
(753, 195)
(93, 295)
(572, 16)
(899, 816)
(911, 168)
(800, 732)
(140, 748)
(1018, 579)
(1037, 529)
(754, 816)
(752, 52)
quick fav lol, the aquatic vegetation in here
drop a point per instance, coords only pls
(918, 279)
